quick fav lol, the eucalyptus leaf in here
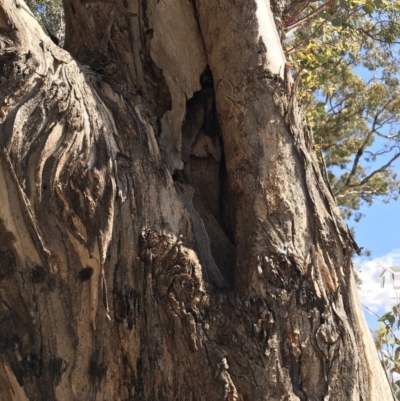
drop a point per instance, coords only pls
(385, 317)
(325, 15)
(368, 8)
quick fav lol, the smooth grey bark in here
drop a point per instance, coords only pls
(165, 230)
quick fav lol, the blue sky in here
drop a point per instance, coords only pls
(378, 231)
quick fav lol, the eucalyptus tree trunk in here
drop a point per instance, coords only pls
(165, 232)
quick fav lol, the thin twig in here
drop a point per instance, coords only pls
(396, 340)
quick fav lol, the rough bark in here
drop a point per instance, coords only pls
(165, 232)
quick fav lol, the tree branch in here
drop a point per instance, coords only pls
(366, 179)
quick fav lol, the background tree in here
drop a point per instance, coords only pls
(347, 62)
(165, 229)
(50, 15)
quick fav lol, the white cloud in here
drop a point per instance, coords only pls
(371, 293)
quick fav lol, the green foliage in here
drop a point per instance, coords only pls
(386, 338)
(52, 12)
(388, 345)
(356, 120)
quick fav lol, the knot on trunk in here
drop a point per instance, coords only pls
(175, 269)
(177, 276)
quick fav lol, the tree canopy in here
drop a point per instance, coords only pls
(50, 14)
(345, 54)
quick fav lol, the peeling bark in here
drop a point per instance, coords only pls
(165, 231)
